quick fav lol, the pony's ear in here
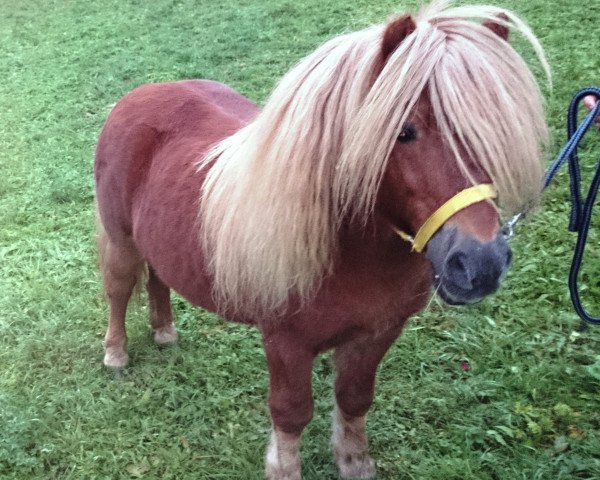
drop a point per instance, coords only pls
(395, 32)
(501, 30)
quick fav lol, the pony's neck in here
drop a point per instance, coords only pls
(377, 234)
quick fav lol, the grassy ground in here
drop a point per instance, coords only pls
(507, 389)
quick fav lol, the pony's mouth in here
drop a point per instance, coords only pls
(449, 298)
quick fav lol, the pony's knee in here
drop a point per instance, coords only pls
(118, 259)
(355, 402)
(291, 415)
(352, 408)
(123, 270)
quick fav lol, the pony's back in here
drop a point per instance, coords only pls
(146, 172)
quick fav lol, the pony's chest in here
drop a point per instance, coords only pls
(371, 289)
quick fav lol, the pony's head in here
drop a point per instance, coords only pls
(390, 123)
(468, 253)
(465, 112)
(428, 200)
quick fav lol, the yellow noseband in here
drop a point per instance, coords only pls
(461, 200)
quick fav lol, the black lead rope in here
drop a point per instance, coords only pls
(581, 208)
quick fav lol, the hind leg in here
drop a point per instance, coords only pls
(120, 265)
(356, 364)
(161, 315)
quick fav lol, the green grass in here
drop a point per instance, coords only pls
(528, 407)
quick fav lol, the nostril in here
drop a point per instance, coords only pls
(457, 269)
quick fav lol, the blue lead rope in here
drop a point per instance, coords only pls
(581, 208)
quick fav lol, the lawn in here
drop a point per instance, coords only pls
(506, 389)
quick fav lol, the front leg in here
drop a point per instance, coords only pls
(290, 403)
(356, 364)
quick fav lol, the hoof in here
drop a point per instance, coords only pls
(115, 358)
(353, 466)
(275, 472)
(165, 335)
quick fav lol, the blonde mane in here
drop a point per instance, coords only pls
(280, 188)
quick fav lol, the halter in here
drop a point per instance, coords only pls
(461, 200)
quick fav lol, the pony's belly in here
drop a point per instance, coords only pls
(178, 265)
(165, 228)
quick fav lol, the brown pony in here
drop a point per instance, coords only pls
(286, 218)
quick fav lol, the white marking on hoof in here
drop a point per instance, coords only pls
(115, 357)
(356, 467)
(283, 459)
(350, 448)
(165, 335)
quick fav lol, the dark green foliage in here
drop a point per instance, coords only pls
(507, 389)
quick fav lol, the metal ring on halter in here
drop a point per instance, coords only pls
(508, 228)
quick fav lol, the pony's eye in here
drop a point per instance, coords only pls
(408, 133)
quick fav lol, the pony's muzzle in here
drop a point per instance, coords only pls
(466, 269)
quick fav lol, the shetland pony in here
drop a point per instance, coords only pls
(287, 218)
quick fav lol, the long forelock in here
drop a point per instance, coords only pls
(491, 107)
(485, 100)
(280, 188)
